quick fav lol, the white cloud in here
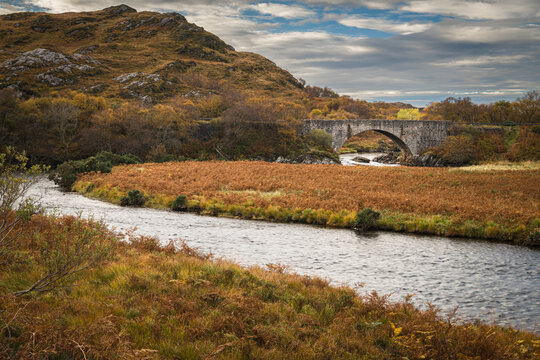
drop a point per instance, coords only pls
(384, 25)
(486, 32)
(283, 11)
(8, 9)
(494, 10)
(483, 60)
(466, 9)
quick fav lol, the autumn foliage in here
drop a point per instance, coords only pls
(507, 198)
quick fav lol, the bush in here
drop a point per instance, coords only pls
(527, 146)
(456, 151)
(67, 246)
(66, 173)
(179, 204)
(366, 219)
(320, 137)
(133, 198)
(16, 178)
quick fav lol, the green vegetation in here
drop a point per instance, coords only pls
(366, 219)
(320, 137)
(173, 302)
(179, 204)
(476, 144)
(16, 178)
(133, 198)
(408, 114)
(66, 173)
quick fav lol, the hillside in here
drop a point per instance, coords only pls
(121, 53)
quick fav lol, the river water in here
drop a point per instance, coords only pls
(492, 282)
(348, 159)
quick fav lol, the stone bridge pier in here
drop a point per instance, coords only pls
(412, 136)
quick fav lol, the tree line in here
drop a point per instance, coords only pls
(230, 124)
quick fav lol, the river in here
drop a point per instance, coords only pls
(488, 281)
(348, 159)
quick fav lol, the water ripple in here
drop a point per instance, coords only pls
(488, 281)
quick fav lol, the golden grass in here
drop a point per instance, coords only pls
(502, 166)
(160, 303)
(511, 197)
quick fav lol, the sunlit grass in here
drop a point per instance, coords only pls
(153, 302)
(502, 165)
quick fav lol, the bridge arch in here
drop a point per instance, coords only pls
(405, 150)
(413, 136)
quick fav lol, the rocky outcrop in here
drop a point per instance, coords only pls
(63, 69)
(140, 85)
(307, 159)
(361, 159)
(390, 158)
(426, 160)
(118, 10)
(143, 77)
(36, 58)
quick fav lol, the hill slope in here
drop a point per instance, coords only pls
(121, 53)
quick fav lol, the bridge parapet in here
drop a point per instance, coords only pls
(413, 136)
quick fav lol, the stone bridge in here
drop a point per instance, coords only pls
(412, 136)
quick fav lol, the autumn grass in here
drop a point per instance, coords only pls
(154, 302)
(501, 205)
(502, 165)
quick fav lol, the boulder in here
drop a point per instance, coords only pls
(361, 159)
(390, 158)
(37, 58)
(307, 159)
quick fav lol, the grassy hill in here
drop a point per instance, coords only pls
(121, 53)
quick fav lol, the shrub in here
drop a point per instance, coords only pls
(16, 178)
(179, 204)
(67, 172)
(320, 137)
(67, 246)
(366, 219)
(456, 151)
(527, 146)
(133, 198)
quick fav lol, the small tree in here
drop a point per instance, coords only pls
(67, 246)
(16, 178)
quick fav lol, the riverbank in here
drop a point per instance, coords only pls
(153, 302)
(502, 205)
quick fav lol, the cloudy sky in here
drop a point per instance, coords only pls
(416, 51)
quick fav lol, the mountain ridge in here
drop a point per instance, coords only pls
(120, 53)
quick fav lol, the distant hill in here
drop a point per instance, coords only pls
(121, 53)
